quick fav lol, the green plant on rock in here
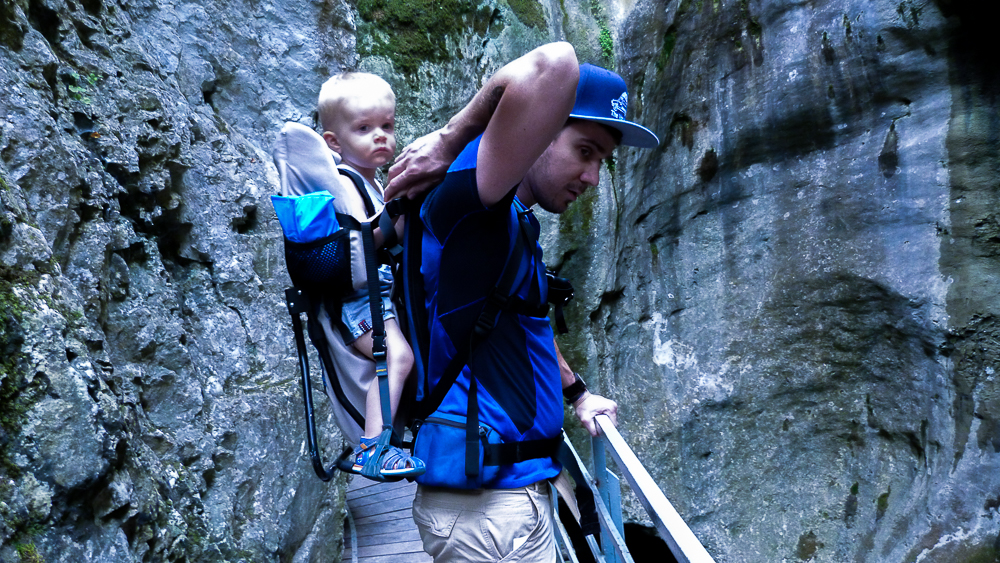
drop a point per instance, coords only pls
(82, 86)
(607, 44)
(605, 40)
(669, 40)
(579, 216)
(882, 504)
(28, 553)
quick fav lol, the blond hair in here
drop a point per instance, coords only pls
(341, 87)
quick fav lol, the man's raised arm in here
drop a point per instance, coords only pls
(519, 110)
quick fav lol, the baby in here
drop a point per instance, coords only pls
(358, 114)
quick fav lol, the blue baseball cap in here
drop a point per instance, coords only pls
(601, 96)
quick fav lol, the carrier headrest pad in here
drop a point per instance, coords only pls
(305, 163)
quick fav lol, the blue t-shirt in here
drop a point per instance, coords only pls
(465, 246)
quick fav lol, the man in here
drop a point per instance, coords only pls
(536, 133)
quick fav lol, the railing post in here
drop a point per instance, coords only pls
(609, 486)
(614, 496)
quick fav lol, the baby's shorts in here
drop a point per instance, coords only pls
(355, 312)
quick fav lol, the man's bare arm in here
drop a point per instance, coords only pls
(521, 108)
(588, 406)
(538, 93)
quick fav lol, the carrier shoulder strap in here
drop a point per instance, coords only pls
(374, 291)
(494, 304)
(497, 301)
(359, 183)
(383, 221)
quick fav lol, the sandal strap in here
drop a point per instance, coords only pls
(381, 461)
(395, 458)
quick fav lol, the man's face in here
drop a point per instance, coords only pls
(365, 133)
(570, 165)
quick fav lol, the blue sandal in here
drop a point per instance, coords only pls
(376, 459)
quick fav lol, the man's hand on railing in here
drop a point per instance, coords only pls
(589, 406)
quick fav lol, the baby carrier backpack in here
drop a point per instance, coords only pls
(330, 254)
(334, 254)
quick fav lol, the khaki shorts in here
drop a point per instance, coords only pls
(486, 525)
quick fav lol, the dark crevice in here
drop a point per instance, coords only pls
(208, 90)
(118, 513)
(93, 7)
(709, 166)
(45, 20)
(607, 299)
(11, 31)
(248, 221)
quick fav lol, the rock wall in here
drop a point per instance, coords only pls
(150, 406)
(793, 297)
(795, 293)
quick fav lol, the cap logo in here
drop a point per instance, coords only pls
(619, 106)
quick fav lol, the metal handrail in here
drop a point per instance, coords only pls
(675, 532)
(679, 537)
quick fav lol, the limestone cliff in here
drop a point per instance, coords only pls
(793, 297)
(796, 291)
(150, 409)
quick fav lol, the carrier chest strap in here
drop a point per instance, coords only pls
(516, 452)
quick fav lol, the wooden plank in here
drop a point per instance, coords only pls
(389, 526)
(408, 558)
(405, 553)
(402, 514)
(390, 549)
(361, 486)
(397, 558)
(383, 496)
(386, 537)
(358, 485)
(383, 489)
(391, 505)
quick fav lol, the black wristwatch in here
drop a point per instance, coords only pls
(574, 390)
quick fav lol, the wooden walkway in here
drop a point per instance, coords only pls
(383, 523)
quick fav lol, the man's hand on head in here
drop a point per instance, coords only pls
(589, 406)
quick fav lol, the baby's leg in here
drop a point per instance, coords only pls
(400, 362)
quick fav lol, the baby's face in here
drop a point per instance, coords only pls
(366, 132)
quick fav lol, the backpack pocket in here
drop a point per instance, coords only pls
(317, 249)
(440, 443)
(321, 265)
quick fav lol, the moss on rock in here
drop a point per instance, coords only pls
(411, 32)
(28, 553)
(605, 40)
(14, 393)
(529, 12)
